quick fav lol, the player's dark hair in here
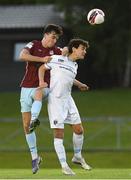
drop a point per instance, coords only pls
(53, 28)
(76, 43)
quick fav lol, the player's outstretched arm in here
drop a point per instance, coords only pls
(80, 85)
(26, 56)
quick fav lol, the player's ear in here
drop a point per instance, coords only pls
(73, 49)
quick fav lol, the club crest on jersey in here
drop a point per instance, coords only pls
(55, 122)
(60, 60)
(51, 52)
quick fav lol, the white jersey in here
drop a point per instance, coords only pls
(63, 73)
(61, 106)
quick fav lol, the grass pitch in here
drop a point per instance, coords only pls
(56, 174)
(111, 102)
(106, 165)
(115, 165)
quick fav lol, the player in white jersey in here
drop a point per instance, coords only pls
(61, 106)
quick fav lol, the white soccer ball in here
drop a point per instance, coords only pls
(95, 16)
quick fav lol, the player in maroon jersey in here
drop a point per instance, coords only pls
(35, 54)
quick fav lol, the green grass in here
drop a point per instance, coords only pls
(112, 102)
(22, 160)
(94, 103)
(99, 134)
(16, 163)
(56, 174)
(106, 165)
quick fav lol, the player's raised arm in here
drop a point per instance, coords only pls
(26, 56)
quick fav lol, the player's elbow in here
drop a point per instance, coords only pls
(23, 55)
(21, 58)
(42, 68)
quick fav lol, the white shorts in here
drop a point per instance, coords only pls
(61, 111)
(27, 97)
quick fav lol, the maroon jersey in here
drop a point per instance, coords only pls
(31, 78)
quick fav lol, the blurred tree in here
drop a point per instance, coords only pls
(127, 77)
(110, 44)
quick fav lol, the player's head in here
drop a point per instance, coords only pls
(53, 28)
(52, 32)
(78, 48)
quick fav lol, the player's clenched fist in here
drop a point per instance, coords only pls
(43, 84)
(83, 87)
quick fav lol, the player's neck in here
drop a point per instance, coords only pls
(72, 57)
(44, 43)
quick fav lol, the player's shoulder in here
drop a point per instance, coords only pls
(59, 58)
(56, 56)
(32, 44)
(36, 42)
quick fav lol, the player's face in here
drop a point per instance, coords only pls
(80, 52)
(51, 39)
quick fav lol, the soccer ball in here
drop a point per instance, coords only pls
(95, 16)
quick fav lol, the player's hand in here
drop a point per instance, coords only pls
(83, 87)
(65, 51)
(47, 59)
(43, 85)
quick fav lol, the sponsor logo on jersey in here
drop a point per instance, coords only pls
(55, 122)
(61, 60)
(69, 69)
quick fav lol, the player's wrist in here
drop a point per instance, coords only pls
(80, 85)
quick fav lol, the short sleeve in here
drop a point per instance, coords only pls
(48, 65)
(52, 62)
(30, 46)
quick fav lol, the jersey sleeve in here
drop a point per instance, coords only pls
(30, 46)
(53, 61)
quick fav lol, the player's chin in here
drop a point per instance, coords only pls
(82, 56)
(51, 45)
